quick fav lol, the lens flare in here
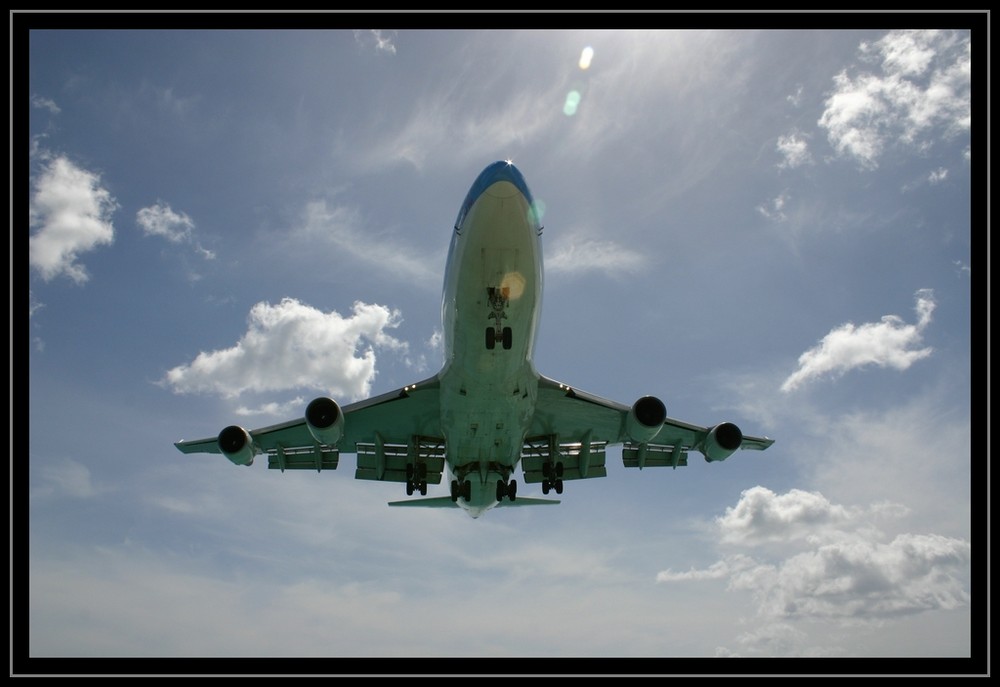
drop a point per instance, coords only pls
(572, 102)
(586, 56)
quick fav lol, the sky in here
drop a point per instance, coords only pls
(771, 227)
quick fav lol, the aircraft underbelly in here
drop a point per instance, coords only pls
(489, 387)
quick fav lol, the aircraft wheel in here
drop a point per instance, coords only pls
(423, 488)
(491, 338)
(467, 490)
(501, 490)
(558, 486)
(454, 490)
(512, 490)
(507, 338)
(559, 469)
(409, 488)
(545, 487)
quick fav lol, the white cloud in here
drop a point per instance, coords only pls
(574, 256)
(794, 151)
(380, 40)
(292, 345)
(71, 214)
(924, 82)
(44, 103)
(887, 344)
(160, 219)
(296, 405)
(832, 563)
(938, 175)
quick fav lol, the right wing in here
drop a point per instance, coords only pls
(575, 427)
(388, 432)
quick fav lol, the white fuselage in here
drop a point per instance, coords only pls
(490, 312)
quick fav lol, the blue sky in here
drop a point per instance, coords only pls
(765, 226)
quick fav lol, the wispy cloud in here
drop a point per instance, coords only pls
(923, 82)
(292, 345)
(774, 209)
(578, 256)
(70, 212)
(343, 227)
(44, 103)
(888, 343)
(67, 478)
(381, 41)
(160, 219)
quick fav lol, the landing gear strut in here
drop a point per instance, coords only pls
(416, 478)
(553, 477)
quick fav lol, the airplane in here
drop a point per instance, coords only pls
(488, 409)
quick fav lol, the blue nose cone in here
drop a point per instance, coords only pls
(500, 170)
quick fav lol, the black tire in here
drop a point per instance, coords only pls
(508, 338)
(559, 469)
(501, 490)
(491, 338)
(558, 486)
(512, 490)
(467, 490)
(423, 488)
(409, 488)
(454, 490)
(545, 487)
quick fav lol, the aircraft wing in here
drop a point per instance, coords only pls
(386, 431)
(575, 427)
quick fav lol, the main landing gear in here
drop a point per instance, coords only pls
(508, 489)
(461, 489)
(416, 478)
(553, 477)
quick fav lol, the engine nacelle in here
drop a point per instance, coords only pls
(645, 419)
(722, 441)
(325, 420)
(236, 445)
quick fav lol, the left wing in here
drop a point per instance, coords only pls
(388, 432)
(574, 427)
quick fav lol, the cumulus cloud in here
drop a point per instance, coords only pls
(888, 343)
(794, 151)
(574, 256)
(160, 219)
(834, 564)
(292, 345)
(70, 213)
(923, 85)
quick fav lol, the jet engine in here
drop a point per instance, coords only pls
(722, 441)
(236, 445)
(645, 419)
(325, 420)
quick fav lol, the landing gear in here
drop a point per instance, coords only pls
(505, 336)
(461, 489)
(553, 477)
(508, 489)
(416, 478)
